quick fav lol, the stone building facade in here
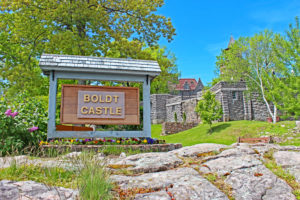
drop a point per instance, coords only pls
(158, 107)
(233, 97)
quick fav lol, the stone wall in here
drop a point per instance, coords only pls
(259, 109)
(176, 127)
(231, 97)
(98, 148)
(158, 107)
(236, 106)
(188, 108)
(174, 105)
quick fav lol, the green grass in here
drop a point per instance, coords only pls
(281, 173)
(92, 179)
(224, 132)
(53, 176)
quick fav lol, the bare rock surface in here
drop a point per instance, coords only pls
(8, 161)
(192, 151)
(161, 195)
(176, 174)
(290, 161)
(149, 162)
(182, 183)
(25, 190)
(248, 177)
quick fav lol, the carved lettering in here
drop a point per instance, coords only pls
(82, 110)
(86, 98)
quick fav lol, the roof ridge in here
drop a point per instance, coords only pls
(109, 58)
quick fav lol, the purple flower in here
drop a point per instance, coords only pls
(8, 112)
(34, 128)
(14, 114)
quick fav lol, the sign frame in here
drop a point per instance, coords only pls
(69, 105)
(74, 67)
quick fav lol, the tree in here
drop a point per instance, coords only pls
(209, 109)
(77, 27)
(253, 60)
(137, 50)
(287, 50)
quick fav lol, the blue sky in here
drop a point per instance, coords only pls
(203, 28)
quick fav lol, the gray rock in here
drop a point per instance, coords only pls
(249, 178)
(8, 161)
(182, 183)
(149, 162)
(226, 165)
(12, 190)
(247, 185)
(194, 150)
(122, 155)
(290, 161)
(161, 195)
(72, 155)
(298, 125)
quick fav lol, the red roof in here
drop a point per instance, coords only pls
(190, 81)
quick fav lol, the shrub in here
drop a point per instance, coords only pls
(23, 123)
(209, 108)
(184, 117)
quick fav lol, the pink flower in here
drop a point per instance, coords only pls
(14, 114)
(8, 112)
(34, 128)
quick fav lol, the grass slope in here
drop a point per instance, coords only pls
(224, 132)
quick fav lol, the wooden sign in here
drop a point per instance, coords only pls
(84, 104)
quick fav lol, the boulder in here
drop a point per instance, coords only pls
(8, 161)
(161, 195)
(181, 183)
(298, 125)
(194, 150)
(290, 161)
(14, 190)
(247, 176)
(147, 162)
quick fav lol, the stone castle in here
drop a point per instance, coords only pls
(232, 96)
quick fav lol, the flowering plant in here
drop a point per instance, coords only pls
(20, 124)
(104, 141)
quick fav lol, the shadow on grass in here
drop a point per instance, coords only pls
(218, 128)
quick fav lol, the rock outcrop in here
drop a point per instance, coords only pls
(199, 172)
(12, 190)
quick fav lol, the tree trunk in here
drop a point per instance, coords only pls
(275, 115)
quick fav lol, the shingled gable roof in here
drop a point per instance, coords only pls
(191, 81)
(72, 63)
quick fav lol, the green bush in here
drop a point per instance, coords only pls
(23, 123)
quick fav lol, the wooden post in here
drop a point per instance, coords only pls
(52, 104)
(146, 107)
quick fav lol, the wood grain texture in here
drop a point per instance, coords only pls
(69, 103)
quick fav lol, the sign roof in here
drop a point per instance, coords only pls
(72, 63)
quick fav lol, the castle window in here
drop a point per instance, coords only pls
(173, 108)
(186, 85)
(234, 95)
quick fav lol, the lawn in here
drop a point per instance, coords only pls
(225, 132)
